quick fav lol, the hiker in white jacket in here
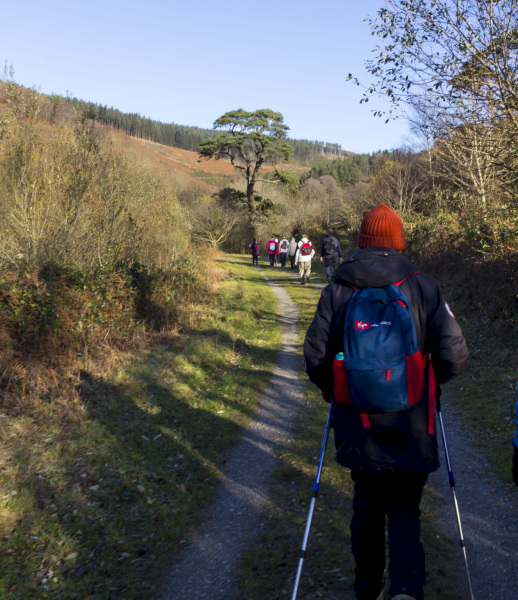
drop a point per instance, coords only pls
(303, 258)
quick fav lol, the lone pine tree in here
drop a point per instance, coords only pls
(249, 139)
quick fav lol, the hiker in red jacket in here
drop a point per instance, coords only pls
(277, 252)
(271, 249)
(389, 453)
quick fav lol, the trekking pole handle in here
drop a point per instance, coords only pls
(438, 393)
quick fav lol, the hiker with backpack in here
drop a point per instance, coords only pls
(255, 250)
(271, 250)
(283, 251)
(303, 258)
(277, 252)
(330, 253)
(292, 251)
(381, 339)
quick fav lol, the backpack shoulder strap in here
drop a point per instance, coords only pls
(398, 283)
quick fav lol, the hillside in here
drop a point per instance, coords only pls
(170, 158)
(182, 136)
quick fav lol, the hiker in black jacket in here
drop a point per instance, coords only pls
(389, 454)
(330, 253)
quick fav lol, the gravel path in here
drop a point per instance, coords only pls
(208, 564)
(489, 509)
(489, 515)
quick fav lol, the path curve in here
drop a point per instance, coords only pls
(207, 566)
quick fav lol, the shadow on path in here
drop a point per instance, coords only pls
(208, 564)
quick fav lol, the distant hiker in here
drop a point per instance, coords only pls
(283, 251)
(292, 251)
(255, 249)
(390, 449)
(515, 445)
(303, 258)
(271, 250)
(330, 253)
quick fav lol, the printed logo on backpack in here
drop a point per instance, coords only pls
(382, 369)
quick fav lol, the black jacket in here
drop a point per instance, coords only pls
(402, 441)
(337, 249)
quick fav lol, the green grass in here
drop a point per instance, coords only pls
(269, 566)
(485, 394)
(96, 500)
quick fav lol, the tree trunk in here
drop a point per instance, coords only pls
(251, 203)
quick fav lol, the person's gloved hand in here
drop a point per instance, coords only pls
(515, 465)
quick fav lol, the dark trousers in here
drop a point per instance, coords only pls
(271, 258)
(396, 496)
(255, 259)
(282, 257)
(330, 266)
(292, 260)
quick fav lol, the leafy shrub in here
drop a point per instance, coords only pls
(67, 197)
(94, 246)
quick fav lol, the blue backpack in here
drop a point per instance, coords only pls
(381, 369)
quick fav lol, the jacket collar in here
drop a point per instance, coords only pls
(375, 267)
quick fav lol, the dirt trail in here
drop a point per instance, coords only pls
(489, 515)
(208, 565)
(489, 509)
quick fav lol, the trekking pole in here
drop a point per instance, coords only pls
(313, 500)
(452, 487)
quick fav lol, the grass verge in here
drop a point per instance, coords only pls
(485, 394)
(99, 489)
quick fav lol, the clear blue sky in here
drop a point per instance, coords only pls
(189, 62)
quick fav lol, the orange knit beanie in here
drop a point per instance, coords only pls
(381, 227)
